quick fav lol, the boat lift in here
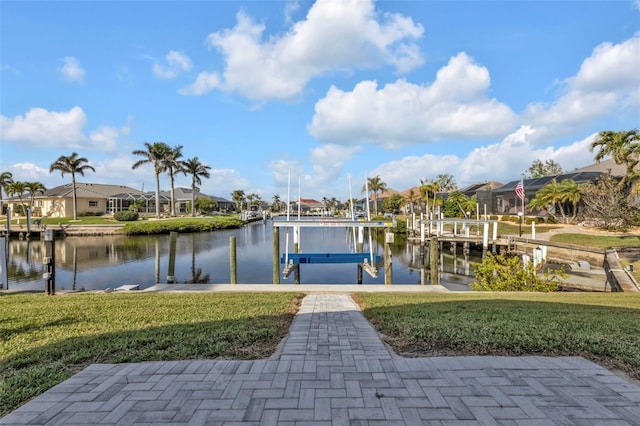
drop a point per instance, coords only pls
(292, 261)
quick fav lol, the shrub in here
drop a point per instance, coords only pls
(182, 225)
(125, 216)
(502, 273)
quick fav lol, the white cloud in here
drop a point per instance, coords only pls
(223, 182)
(328, 161)
(292, 7)
(29, 172)
(71, 70)
(205, 82)
(503, 161)
(401, 113)
(282, 171)
(607, 81)
(177, 62)
(359, 36)
(406, 172)
(52, 129)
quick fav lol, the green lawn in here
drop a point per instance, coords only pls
(44, 340)
(597, 241)
(601, 327)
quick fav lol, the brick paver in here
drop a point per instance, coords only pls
(334, 370)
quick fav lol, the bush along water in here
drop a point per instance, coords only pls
(509, 273)
(125, 216)
(151, 227)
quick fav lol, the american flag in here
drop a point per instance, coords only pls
(520, 190)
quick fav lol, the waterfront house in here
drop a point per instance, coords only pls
(92, 199)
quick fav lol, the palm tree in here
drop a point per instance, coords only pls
(172, 164)
(275, 207)
(5, 179)
(572, 194)
(238, 198)
(428, 187)
(197, 170)
(155, 154)
(624, 148)
(72, 164)
(34, 188)
(17, 189)
(375, 185)
(446, 182)
(411, 198)
(556, 194)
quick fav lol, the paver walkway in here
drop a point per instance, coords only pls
(334, 370)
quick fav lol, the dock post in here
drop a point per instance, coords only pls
(296, 249)
(4, 276)
(495, 236)
(360, 239)
(359, 273)
(533, 230)
(388, 266)
(276, 255)
(485, 239)
(433, 257)
(173, 237)
(50, 262)
(233, 265)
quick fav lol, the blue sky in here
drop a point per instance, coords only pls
(325, 92)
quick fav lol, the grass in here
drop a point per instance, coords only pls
(145, 226)
(603, 328)
(597, 241)
(44, 340)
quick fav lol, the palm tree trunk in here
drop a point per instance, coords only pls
(173, 195)
(75, 201)
(157, 194)
(193, 199)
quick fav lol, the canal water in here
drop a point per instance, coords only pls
(107, 262)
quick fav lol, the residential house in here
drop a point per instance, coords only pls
(505, 201)
(92, 198)
(183, 200)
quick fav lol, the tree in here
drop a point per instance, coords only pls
(17, 189)
(607, 203)
(239, 198)
(427, 188)
(446, 182)
(392, 203)
(458, 204)
(548, 168)
(275, 206)
(72, 165)
(375, 185)
(556, 194)
(411, 199)
(34, 188)
(5, 179)
(204, 205)
(172, 165)
(624, 148)
(155, 154)
(197, 170)
(136, 205)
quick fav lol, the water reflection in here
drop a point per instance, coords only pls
(100, 262)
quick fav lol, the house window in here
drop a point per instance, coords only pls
(93, 204)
